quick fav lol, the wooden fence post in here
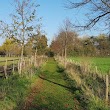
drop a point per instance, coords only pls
(13, 66)
(5, 70)
(107, 85)
(96, 69)
(20, 67)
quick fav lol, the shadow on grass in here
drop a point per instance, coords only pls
(66, 87)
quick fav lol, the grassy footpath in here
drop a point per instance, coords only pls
(54, 94)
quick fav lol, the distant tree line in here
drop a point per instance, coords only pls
(81, 46)
(12, 47)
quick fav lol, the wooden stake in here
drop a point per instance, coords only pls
(5, 70)
(107, 84)
(13, 66)
(96, 69)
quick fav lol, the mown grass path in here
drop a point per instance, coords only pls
(52, 91)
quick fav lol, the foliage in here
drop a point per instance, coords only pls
(23, 23)
(86, 46)
(58, 44)
(11, 48)
(37, 43)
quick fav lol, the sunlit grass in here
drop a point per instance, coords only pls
(102, 63)
(3, 60)
(55, 94)
(14, 90)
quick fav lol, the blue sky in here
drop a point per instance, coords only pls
(53, 13)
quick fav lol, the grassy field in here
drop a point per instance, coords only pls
(102, 63)
(8, 58)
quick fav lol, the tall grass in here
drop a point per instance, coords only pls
(92, 83)
(14, 90)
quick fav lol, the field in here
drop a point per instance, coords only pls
(8, 58)
(102, 63)
(3, 60)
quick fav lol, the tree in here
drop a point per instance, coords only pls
(40, 43)
(104, 45)
(65, 39)
(89, 47)
(67, 35)
(11, 48)
(64, 30)
(99, 10)
(24, 20)
(2, 52)
(57, 47)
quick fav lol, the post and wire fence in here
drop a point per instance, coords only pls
(10, 67)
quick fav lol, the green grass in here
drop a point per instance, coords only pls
(59, 92)
(13, 91)
(102, 63)
(56, 93)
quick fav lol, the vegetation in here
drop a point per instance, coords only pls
(102, 63)
(72, 73)
(13, 91)
(91, 84)
(55, 92)
(86, 46)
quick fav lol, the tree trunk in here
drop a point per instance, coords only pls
(65, 57)
(65, 49)
(35, 63)
(21, 60)
(62, 53)
(22, 51)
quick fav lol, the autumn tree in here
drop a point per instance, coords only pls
(56, 46)
(11, 48)
(67, 36)
(64, 30)
(66, 39)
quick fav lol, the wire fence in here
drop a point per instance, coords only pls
(9, 67)
(91, 80)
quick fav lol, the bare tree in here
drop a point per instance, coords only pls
(24, 20)
(98, 11)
